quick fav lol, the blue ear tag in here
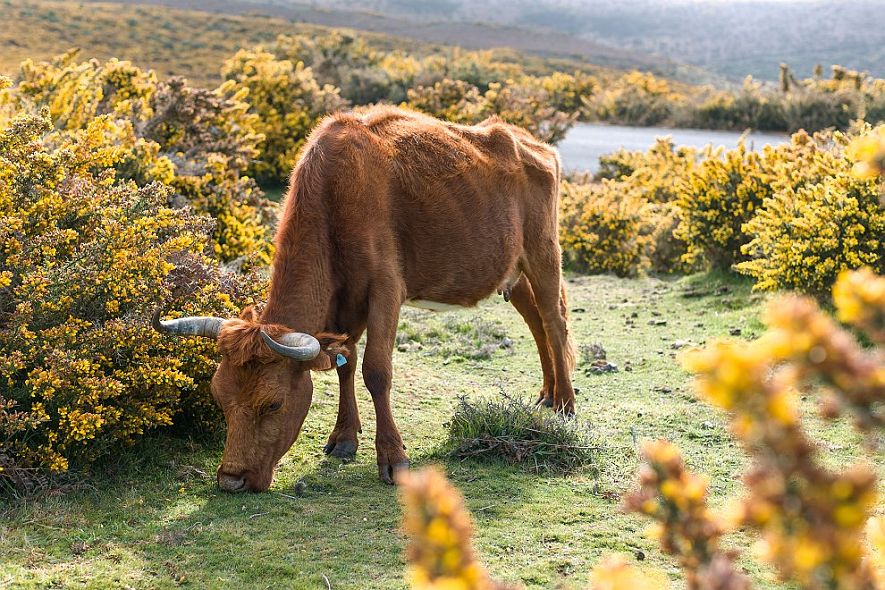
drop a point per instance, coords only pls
(340, 360)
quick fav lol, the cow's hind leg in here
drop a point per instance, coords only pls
(523, 299)
(343, 441)
(384, 305)
(542, 267)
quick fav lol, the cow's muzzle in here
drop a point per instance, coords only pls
(231, 483)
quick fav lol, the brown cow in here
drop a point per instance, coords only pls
(387, 207)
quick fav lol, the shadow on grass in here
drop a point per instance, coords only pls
(158, 505)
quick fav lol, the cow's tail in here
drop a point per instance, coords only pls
(571, 356)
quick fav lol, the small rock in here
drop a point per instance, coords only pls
(79, 547)
(635, 314)
(680, 344)
(300, 487)
(640, 556)
(707, 425)
(734, 331)
(662, 389)
(578, 310)
(601, 366)
(409, 346)
(657, 322)
(628, 366)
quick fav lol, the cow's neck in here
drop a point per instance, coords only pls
(302, 284)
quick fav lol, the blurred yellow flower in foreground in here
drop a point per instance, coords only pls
(869, 151)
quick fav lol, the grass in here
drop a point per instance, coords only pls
(152, 517)
(452, 336)
(521, 433)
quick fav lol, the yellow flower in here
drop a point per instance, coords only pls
(615, 573)
(869, 152)
(438, 527)
(807, 554)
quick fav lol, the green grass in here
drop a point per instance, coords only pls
(523, 433)
(152, 517)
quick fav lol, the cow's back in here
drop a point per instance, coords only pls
(448, 206)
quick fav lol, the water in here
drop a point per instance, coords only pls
(585, 142)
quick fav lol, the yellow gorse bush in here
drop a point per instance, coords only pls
(84, 257)
(793, 216)
(288, 102)
(819, 220)
(196, 142)
(811, 519)
(636, 98)
(654, 179)
(439, 529)
(600, 228)
(677, 500)
(860, 301)
(717, 197)
(868, 152)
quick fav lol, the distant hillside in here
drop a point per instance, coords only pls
(193, 38)
(730, 37)
(400, 21)
(169, 41)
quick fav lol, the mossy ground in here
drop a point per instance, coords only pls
(152, 517)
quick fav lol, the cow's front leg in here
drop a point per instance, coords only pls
(343, 441)
(377, 373)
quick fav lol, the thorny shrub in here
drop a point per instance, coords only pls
(721, 193)
(811, 518)
(196, 142)
(819, 220)
(86, 253)
(792, 217)
(288, 103)
(601, 228)
(440, 552)
(525, 103)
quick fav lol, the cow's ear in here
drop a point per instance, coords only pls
(333, 352)
(249, 314)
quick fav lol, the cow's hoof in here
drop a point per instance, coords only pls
(545, 401)
(388, 472)
(344, 449)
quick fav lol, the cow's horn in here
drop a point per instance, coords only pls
(296, 345)
(206, 326)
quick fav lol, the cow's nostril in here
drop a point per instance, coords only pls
(231, 483)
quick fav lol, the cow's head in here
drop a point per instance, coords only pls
(263, 386)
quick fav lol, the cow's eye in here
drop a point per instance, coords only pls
(272, 407)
